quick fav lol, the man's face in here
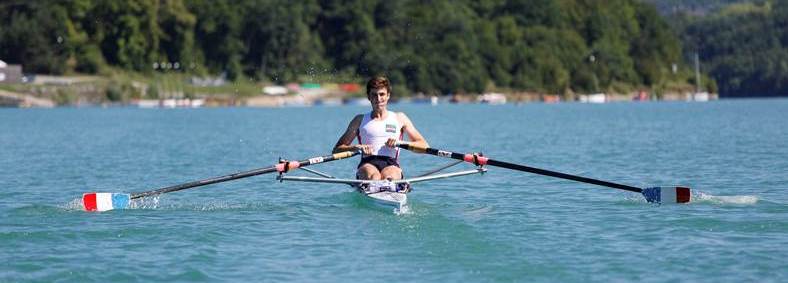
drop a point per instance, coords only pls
(378, 97)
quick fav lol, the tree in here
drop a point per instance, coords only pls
(279, 41)
(218, 36)
(127, 32)
(177, 25)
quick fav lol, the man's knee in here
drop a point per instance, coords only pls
(368, 172)
(368, 175)
(392, 172)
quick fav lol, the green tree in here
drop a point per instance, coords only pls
(432, 47)
(218, 36)
(279, 39)
(127, 32)
(655, 48)
(34, 34)
(177, 25)
(757, 68)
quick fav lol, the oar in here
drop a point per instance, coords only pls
(653, 194)
(109, 201)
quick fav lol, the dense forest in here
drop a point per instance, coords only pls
(743, 46)
(442, 46)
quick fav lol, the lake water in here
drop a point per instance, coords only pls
(501, 226)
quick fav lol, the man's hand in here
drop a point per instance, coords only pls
(365, 148)
(393, 142)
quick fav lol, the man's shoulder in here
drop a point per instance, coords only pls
(401, 117)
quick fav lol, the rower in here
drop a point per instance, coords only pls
(377, 133)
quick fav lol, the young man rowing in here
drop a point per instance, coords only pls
(377, 132)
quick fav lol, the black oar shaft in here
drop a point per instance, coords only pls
(486, 161)
(519, 167)
(275, 168)
(205, 182)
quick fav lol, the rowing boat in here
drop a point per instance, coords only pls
(388, 193)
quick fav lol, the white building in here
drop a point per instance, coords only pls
(10, 73)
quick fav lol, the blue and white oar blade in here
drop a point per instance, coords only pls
(667, 194)
(105, 201)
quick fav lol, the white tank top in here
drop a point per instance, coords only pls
(376, 132)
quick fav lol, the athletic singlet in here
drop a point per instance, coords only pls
(376, 132)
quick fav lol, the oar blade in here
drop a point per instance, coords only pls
(105, 201)
(667, 194)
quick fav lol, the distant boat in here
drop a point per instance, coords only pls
(551, 98)
(147, 103)
(169, 103)
(274, 90)
(433, 100)
(699, 95)
(641, 96)
(593, 98)
(492, 98)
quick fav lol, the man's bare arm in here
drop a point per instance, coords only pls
(415, 137)
(345, 141)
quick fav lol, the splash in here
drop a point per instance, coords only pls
(708, 198)
(75, 204)
(154, 202)
(699, 197)
(151, 202)
(219, 206)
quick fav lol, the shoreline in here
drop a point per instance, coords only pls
(29, 101)
(92, 91)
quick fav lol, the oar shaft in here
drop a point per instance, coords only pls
(205, 182)
(545, 172)
(479, 160)
(281, 167)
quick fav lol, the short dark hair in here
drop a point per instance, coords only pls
(378, 82)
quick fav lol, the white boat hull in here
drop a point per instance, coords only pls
(395, 200)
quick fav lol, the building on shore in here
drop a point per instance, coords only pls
(10, 73)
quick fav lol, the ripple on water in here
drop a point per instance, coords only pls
(501, 226)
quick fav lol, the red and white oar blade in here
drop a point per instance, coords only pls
(667, 194)
(105, 201)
